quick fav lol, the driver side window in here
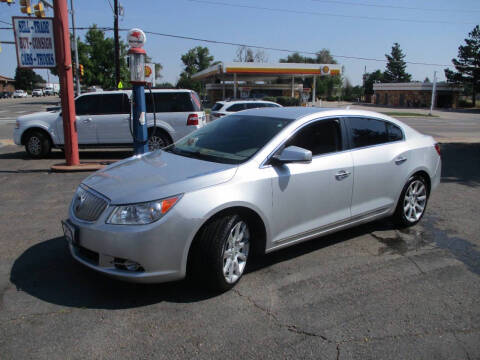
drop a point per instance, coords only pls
(87, 105)
(321, 137)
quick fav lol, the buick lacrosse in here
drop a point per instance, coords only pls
(253, 182)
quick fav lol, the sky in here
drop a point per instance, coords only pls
(427, 31)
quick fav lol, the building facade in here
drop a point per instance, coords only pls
(7, 84)
(416, 94)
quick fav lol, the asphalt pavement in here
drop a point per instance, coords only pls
(371, 292)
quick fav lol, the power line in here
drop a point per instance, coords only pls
(290, 11)
(394, 6)
(220, 42)
(4, 22)
(111, 7)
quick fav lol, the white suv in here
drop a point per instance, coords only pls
(222, 108)
(103, 120)
(20, 94)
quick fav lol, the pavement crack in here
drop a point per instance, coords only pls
(289, 327)
(24, 317)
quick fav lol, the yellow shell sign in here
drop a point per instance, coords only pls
(325, 69)
(148, 71)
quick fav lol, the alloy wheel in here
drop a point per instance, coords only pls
(415, 201)
(235, 252)
(34, 145)
(156, 142)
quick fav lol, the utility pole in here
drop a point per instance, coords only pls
(434, 89)
(64, 65)
(77, 65)
(117, 46)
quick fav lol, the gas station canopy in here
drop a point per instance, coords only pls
(229, 77)
(260, 71)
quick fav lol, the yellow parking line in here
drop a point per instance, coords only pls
(6, 142)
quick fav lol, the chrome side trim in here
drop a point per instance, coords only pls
(323, 230)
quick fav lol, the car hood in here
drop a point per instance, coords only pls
(41, 115)
(155, 176)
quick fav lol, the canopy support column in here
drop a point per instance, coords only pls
(314, 89)
(235, 86)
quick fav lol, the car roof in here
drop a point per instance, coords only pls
(231, 102)
(299, 112)
(128, 92)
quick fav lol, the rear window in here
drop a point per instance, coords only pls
(197, 105)
(236, 107)
(217, 106)
(169, 102)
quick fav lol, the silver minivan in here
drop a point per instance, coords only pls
(103, 120)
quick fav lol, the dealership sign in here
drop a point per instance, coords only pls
(34, 42)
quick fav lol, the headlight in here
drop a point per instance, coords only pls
(142, 213)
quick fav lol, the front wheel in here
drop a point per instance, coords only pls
(222, 252)
(37, 144)
(412, 203)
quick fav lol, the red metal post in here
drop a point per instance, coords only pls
(64, 64)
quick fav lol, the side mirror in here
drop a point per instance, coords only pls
(292, 154)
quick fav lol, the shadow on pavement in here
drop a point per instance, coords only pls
(60, 155)
(47, 271)
(461, 163)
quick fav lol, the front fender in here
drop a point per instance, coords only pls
(38, 125)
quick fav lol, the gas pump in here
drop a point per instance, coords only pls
(136, 39)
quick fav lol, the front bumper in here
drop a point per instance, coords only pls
(160, 249)
(17, 136)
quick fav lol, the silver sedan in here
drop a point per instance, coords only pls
(253, 182)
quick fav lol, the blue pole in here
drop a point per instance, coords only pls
(140, 145)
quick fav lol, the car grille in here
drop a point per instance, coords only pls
(87, 206)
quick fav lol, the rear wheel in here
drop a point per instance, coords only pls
(221, 252)
(157, 140)
(37, 144)
(412, 203)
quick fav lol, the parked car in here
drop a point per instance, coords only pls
(222, 108)
(49, 92)
(20, 94)
(6, 94)
(252, 182)
(103, 119)
(37, 92)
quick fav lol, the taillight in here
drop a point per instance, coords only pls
(192, 119)
(437, 147)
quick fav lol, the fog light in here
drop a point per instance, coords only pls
(129, 265)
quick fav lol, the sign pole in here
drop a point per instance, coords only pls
(64, 64)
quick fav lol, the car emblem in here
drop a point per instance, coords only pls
(80, 200)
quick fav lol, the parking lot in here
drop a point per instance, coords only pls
(369, 292)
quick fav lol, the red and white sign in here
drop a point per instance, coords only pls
(136, 38)
(34, 42)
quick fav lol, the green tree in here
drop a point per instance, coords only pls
(467, 64)
(396, 66)
(370, 78)
(195, 60)
(26, 79)
(96, 54)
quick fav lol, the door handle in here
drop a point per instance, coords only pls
(342, 174)
(87, 120)
(400, 160)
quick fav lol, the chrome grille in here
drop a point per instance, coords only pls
(87, 206)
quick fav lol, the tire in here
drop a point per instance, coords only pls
(220, 254)
(412, 203)
(157, 140)
(37, 144)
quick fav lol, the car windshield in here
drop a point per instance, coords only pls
(232, 139)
